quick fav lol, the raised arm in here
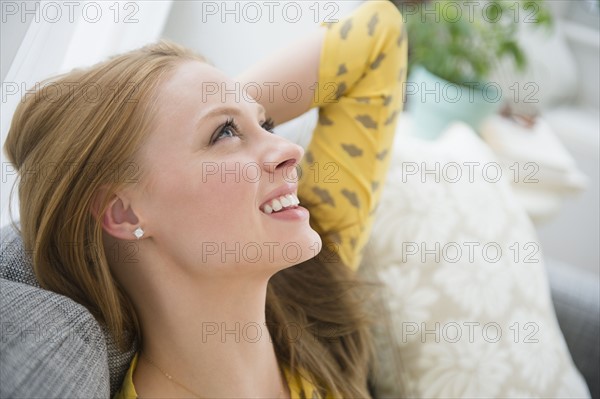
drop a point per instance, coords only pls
(297, 64)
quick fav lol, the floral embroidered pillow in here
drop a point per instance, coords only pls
(465, 297)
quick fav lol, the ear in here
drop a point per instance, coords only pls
(119, 220)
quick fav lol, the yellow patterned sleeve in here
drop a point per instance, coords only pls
(359, 94)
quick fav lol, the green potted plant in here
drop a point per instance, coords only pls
(454, 46)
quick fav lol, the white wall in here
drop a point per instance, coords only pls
(235, 34)
(573, 236)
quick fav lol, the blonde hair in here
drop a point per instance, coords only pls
(80, 133)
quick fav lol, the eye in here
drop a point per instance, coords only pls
(268, 125)
(229, 129)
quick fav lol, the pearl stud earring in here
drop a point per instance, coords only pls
(138, 233)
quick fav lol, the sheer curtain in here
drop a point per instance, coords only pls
(61, 35)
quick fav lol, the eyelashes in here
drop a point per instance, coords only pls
(269, 125)
(231, 129)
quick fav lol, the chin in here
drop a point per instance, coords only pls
(294, 250)
(308, 246)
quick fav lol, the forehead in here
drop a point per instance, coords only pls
(199, 82)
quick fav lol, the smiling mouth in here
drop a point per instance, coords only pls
(282, 203)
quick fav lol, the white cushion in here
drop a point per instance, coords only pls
(461, 325)
(540, 168)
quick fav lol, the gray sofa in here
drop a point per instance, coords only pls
(53, 347)
(576, 298)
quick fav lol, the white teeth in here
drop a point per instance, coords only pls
(285, 201)
(277, 205)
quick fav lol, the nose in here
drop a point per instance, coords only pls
(282, 155)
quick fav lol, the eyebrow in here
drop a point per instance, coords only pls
(220, 110)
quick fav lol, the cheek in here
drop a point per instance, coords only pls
(228, 202)
(206, 204)
(189, 215)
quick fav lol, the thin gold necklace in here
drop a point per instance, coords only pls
(172, 379)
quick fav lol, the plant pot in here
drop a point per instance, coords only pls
(434, 103)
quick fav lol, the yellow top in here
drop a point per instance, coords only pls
(361, 73)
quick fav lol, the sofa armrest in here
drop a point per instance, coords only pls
(50, 346)
(576, 298)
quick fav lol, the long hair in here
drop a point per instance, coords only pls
(79, 133)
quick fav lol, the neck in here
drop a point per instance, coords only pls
(210, 334)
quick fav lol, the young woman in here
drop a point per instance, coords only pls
(172, 212)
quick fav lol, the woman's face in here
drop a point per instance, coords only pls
(202, 199)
